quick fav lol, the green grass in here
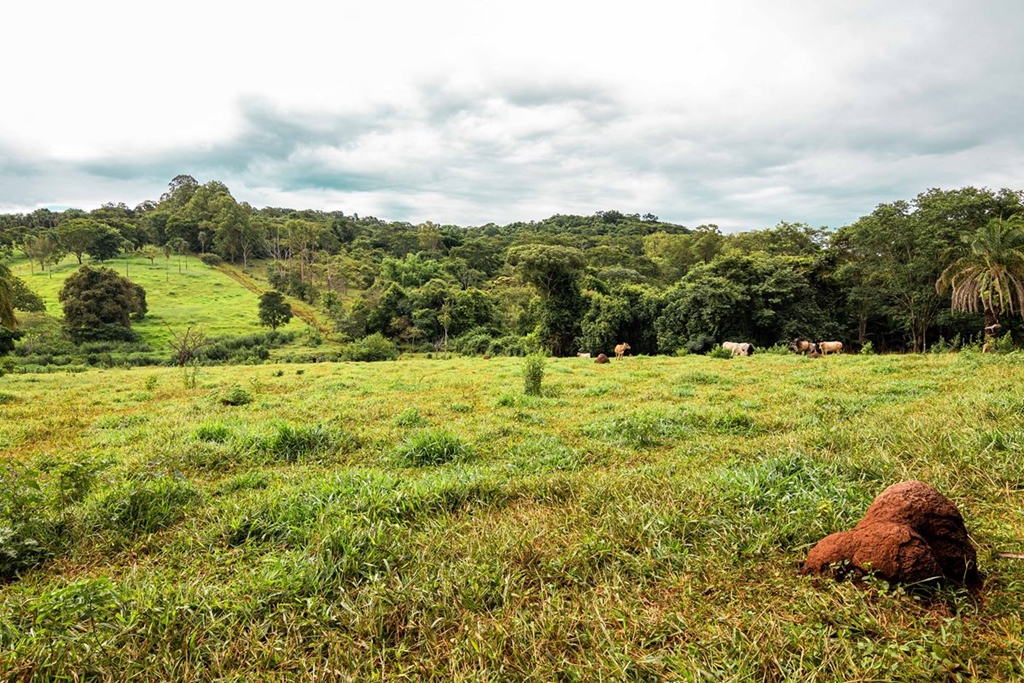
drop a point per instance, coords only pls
(179, 292)
(424, 520)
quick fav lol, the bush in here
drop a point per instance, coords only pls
(432, 447)
(236, 396)
(700, 343)
(211, 259)
(868, 349)
(719, 352)
(374, 347)
(533, 375)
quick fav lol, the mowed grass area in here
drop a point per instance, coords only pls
(180, 291)
(423, 520)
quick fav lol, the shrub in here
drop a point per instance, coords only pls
(374, 347)
(533, 375)
(719, 352)
(236, 396)
(868, 349)
(211, 259)
(432, 447)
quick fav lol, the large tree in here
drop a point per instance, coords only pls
(99, 304)
(77, 235)
(555, 271)
(989, 276)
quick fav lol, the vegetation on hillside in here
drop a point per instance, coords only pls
(567, 284)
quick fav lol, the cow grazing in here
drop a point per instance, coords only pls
(621, 349)
(583, 355)
(601, 359)
(739, 348)
(800, 346)
(830, 347)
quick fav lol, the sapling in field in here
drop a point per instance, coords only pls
(533, 374)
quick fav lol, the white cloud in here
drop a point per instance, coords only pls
(470, 112)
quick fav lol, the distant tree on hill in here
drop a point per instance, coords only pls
(77, 234)
(274, 310)
(99, 305)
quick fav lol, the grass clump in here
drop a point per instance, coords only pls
(533, 375)
(291, 443)
(410, 417)
(144, 504)
(30, 531)
(236, 396)
(216, 432)
(432, 447)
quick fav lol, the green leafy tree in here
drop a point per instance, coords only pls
(43, 249)
(106, 244)
(555, 271)
(7, 296)
(274, 311)
(99, 304)
(76, 235)
(989, 277)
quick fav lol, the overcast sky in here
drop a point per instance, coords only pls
(741, 113)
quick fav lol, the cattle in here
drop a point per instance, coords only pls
(583, 355)
(621, 349)
(739, 348)
(830, 347)
(800, 346)
(601, 359)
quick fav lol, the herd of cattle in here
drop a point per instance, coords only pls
(801, 346)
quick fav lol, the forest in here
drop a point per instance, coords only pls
(568, 283)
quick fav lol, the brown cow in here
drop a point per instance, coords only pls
(830, 347)
(800, 346)
(621, 349)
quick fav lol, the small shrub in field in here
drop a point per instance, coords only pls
(211, 259)
(533, 375)
(410, 417)
(217, 432)
(144, 505)
(719, 352)
(151, 382)
(432, 447)
(292, 443)
(778, 350)
(236, 396)
(868, 349)
(374, 347)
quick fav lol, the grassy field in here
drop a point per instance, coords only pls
(180, 291)
(424, 520)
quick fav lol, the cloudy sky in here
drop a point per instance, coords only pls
(741, 113)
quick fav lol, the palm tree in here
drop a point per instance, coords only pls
(7, 298)
(991, 273)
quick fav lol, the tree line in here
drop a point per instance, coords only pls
(573, 283)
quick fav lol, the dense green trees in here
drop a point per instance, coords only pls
(569, 283)
(99, 305)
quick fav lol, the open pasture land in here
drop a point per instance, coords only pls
(180, 291)
(424, 520)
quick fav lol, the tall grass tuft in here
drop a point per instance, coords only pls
(144, 504)
(533, 374)
(432, 447)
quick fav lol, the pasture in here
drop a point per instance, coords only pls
(425, 520)
(180, 291)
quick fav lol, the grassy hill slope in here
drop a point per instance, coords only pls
(180, 291)
(423, 520)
